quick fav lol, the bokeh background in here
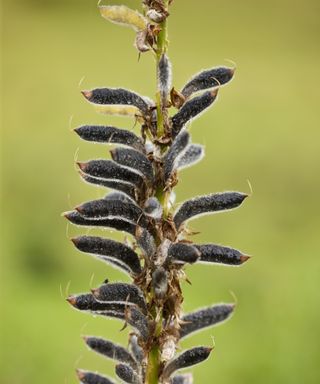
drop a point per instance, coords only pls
(264, 128)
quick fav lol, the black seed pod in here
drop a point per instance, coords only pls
(108, 169)
(160, 282)
(164, 76)
(119, 196)
(135, 348)
(212, 253)
(133, 159)
(191, 109)
(109, 349)
(127, 188)
(175, 152)
(116, 96)
(106, 249)
(153, 208)
(87, 302)
(207, 204)
(146, 242)
(208, 79)
(122, 293)
(181, 253)
(107, 209)
(92, 378)
(137, 320)
(121, 225)
(182, 379)
(112, 135)
(203, 318)
(187, 359)
(127, 374)
(193, 154)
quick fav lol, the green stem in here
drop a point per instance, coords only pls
(153, 369)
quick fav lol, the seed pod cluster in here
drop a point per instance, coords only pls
(140, 173)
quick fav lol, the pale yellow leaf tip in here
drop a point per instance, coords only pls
(120, 14)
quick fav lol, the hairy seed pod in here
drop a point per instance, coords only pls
(87, 377)
(116, 96)
(108, 169)
(87, 302)
(119, 196)
(121, 293)
(109, 349)
(146, 242)
(191, 109)
(137, 320)
(176, 150)
(141, 41)
(135, 348)
(133, 159)
(164, 77)
(208, 79)
(127, 374)
(127, 188)
(155, 16)
(160, 282)
(181, 253)
(153, 208)
(106, 249)
(212, 253)
(107, 209)
(182, 379)
(112, 135)
(193, 154)
(207, 204)
(121, 225)
(186, 359)
(203, 318)
(120, 14)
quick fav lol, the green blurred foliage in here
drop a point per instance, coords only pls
(264, 128)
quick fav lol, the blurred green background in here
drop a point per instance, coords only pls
(264, 128)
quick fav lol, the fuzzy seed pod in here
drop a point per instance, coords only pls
(116, 96)
(141, 41)
(112, 135)
(87, 302)
(203, 318)
(212, 253)
(121, 225)
(87, 377)
(135, 348)
(186, 359)
(155, 16)
(146, 242)
(164, 77)
(181, 253)
(207, 204)
(110, 350)
(127, 188)
(107, 249)
(182, 379)
(175, 152)
(153, 208)
(160, 282)
(133, 159)
(138, 320)
(120, 293)
(208, 79)
(107, 169)
(127, 374)
(120, 14)
(191, 109)
(119, 196)
(108, 209)
(192, 155)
